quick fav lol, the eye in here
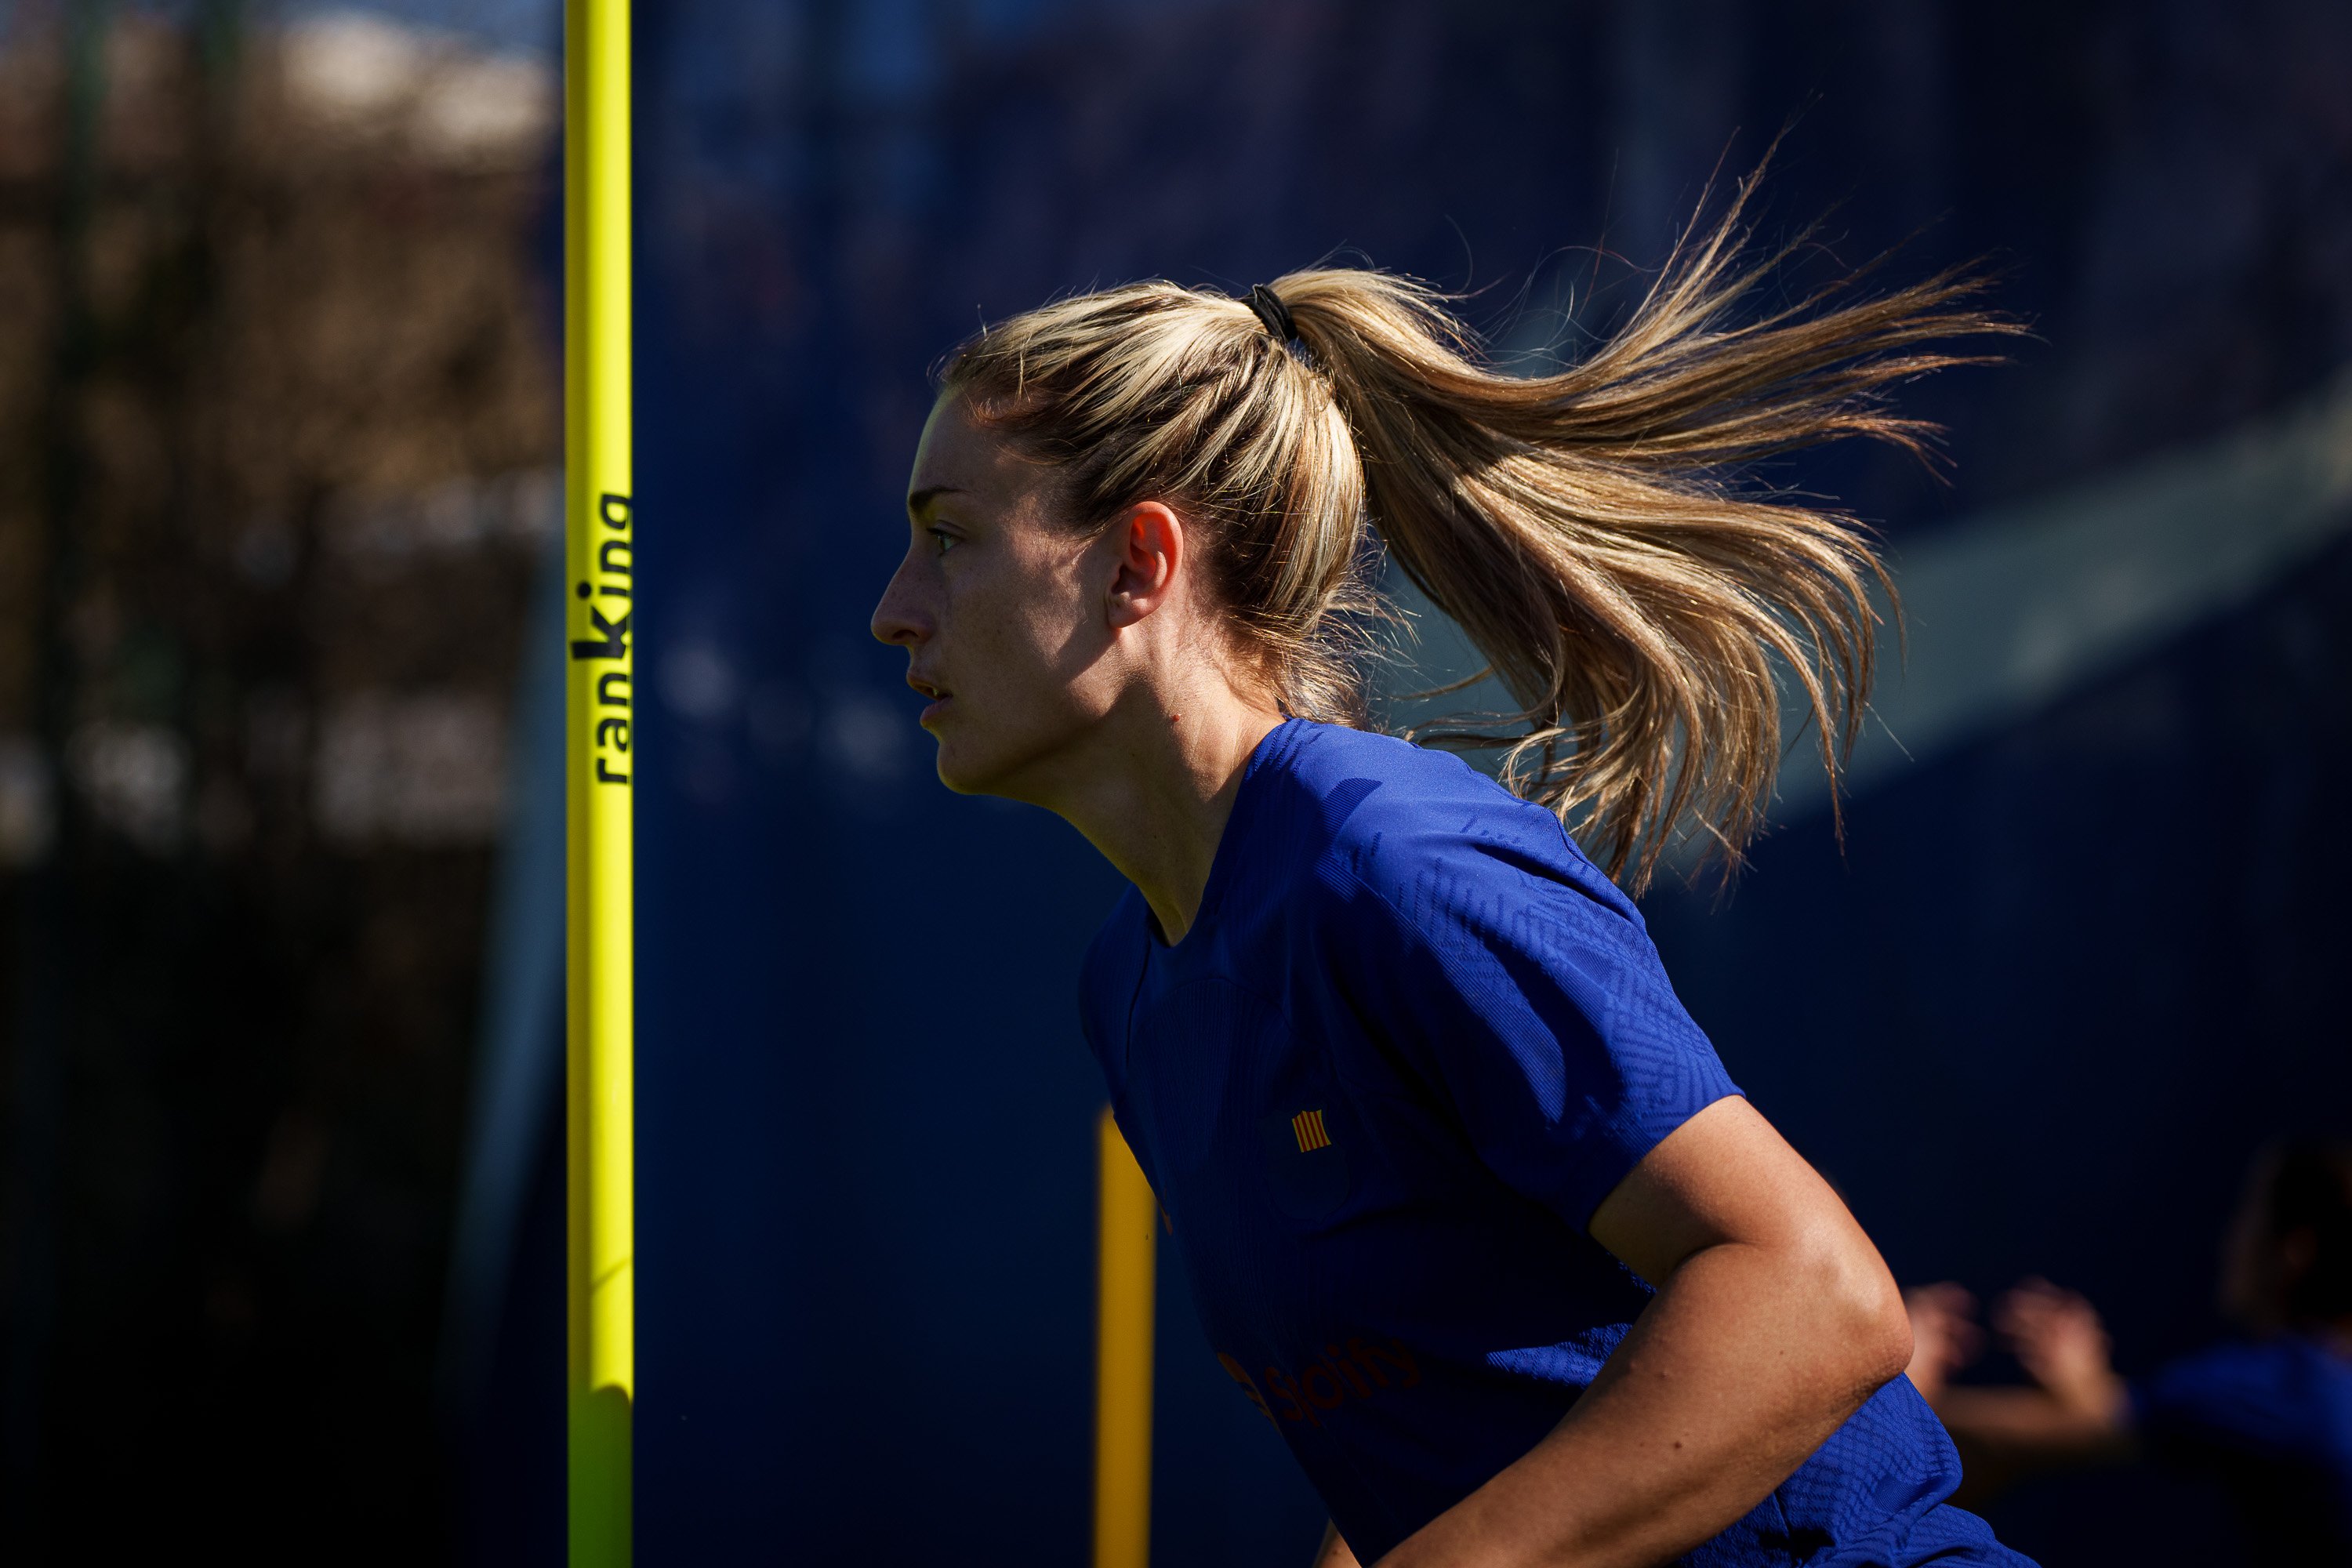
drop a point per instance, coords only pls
(942, 540)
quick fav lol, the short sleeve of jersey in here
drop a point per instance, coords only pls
(1510, 978)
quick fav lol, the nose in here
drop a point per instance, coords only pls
(900, 617)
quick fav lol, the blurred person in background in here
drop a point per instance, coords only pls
(2269, 1416)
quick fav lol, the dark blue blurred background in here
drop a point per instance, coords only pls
(2074, 960)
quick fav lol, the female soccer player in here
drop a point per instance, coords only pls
(1472, 1212)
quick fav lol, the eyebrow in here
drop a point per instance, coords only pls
(923, 498)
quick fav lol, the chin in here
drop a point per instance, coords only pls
(964, 774)
(958, 783)
(998, 769)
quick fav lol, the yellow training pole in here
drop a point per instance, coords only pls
(1123, 1357)
(599, 555)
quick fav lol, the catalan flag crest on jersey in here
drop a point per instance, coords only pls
(1308, 1127)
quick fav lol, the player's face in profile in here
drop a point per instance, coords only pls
(993, 606)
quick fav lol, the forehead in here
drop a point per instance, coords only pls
(959, 453)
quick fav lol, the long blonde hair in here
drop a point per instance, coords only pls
(1592, 531)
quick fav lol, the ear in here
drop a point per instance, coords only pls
(1151, 550)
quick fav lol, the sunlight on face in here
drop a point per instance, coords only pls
(999, 606)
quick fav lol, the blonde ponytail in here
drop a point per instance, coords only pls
(1589, 531)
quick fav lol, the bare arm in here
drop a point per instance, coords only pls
(1774, 1320)
(2077, 1410)
(2027, 1426)
(1334, 1553)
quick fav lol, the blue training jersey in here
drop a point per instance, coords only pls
(2272, 1420)
(1410, 1042)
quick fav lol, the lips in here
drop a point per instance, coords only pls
(939, 695)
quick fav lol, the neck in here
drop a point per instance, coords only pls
(1157, 788)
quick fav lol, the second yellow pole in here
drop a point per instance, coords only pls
(1123, 1308)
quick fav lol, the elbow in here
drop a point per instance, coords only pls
(1882, 1339)
(1865, 1328)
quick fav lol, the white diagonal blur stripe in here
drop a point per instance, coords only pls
(2009, 612)
(2012, 612)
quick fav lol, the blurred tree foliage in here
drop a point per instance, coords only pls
(279, 417)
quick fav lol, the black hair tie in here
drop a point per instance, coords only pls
(1268, 307)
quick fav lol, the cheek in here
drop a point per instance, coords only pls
(1022, 648)
(1015, 622)
(984, 626)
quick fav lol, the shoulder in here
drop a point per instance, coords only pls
(1436, 841)
(1491, 969)
(2277, 1384)
(2237, 1364)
